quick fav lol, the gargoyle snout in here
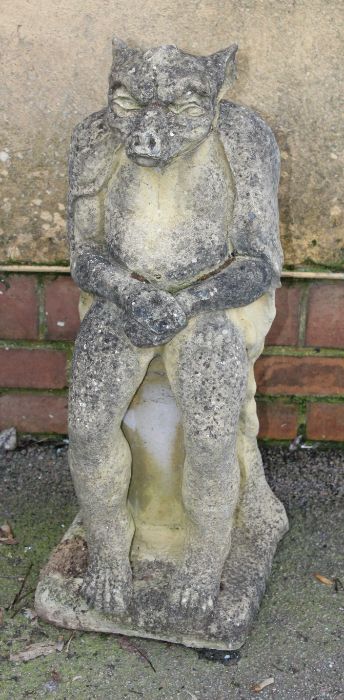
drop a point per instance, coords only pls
(146, 143)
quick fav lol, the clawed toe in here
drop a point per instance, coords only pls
(105, 591)
(194, 598)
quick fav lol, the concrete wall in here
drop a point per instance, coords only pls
(56, 56)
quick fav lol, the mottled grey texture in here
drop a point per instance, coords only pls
(173, 225)
(230, 206)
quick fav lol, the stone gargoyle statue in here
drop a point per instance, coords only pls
(173, 224)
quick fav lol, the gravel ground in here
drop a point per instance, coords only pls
(298, 638)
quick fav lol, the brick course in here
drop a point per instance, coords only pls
(277, 420)
(61, 308)
(285, 327)
(302, 376)
(39, 369)
(18, 307)
(325, 323)
(28, 366)
(325, 421)
(34, 413)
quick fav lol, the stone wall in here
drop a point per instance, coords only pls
(300, 377)
(56, 58)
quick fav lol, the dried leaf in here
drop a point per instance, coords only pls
(1, 617)
(323, 579)
(35, 650)
(258, 687)
(7, 535)
(55, 676)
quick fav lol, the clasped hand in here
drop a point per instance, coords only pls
(152, 316)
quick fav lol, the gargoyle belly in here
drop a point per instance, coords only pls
(171, 258)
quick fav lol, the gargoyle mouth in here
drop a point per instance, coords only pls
(144, 159)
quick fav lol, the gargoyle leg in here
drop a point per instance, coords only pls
(107, 370)
(207, 368)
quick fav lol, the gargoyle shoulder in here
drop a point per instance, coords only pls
(92, 153)
(253, 156)
(245, 133)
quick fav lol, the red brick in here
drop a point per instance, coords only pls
(39, 369)
(34, 413)
(325, 325)
(277, 420)
(18, 307)
(319, 376)
(61, 308)
(325, 421)
(285, 328)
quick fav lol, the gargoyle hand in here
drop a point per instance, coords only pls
(152, 316)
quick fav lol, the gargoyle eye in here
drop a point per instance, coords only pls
(190, 109)
(125, 102)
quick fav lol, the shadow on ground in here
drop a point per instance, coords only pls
(298, 638)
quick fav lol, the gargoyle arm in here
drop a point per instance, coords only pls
(91, 266)
(253, 156)
(243, 281)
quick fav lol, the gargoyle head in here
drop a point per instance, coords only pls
(163, 102)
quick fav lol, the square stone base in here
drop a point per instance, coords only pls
(150, 615)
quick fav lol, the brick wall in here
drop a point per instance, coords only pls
(300, 377)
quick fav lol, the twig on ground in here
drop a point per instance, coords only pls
(21, 599)
(128, 645)
(258, 687)
(69, 641)
(23, 583)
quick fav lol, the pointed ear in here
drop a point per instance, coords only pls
(121, 54)
(118, 46)
(222, 66)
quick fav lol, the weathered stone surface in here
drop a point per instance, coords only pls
(153, 429)
(58, 598)
(289, 67)
(173, 227)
